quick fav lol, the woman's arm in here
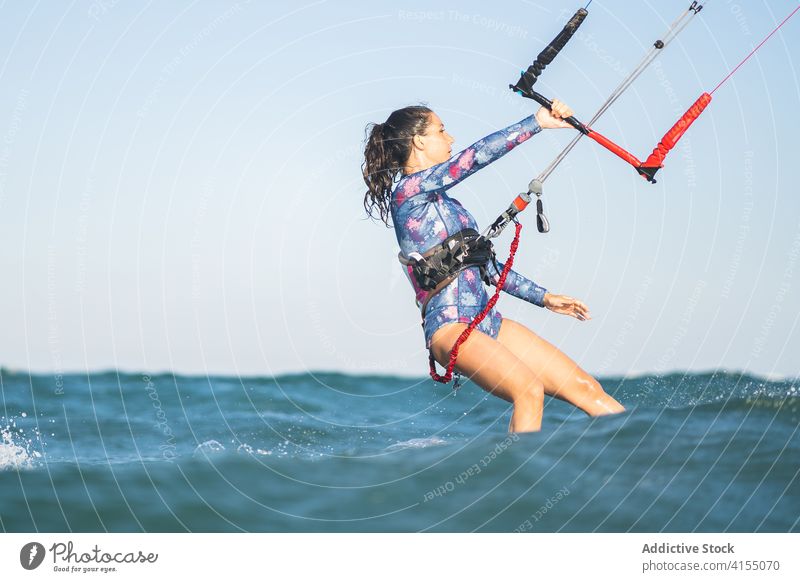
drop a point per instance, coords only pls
(524, 288)
(516, 284)
(479, 155)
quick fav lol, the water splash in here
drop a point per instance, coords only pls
(417, 444)
(248, 450)
(16, 450)
(208, 448)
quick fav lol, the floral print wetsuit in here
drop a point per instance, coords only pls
(424, 215)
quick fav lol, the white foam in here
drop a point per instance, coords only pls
(417, 444)
(247, 449)
(209, 447)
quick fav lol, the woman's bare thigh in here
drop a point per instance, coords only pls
(487, 362)
(559, 374)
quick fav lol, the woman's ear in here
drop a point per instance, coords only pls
(418, 142)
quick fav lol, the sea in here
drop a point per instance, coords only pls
(329, 452)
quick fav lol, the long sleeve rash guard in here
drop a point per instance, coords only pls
(424, 215)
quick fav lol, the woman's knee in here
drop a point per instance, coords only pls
(592, 385)
(531, 392)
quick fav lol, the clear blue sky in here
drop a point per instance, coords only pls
(180, 183)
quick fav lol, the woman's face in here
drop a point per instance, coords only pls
(436, 142)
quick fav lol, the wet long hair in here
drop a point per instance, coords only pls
(388, 146)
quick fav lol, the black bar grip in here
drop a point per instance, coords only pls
(549, 53)
(529, 77)
(544, 101)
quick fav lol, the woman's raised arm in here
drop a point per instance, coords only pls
(479, 155)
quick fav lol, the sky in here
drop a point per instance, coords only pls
(180, 183)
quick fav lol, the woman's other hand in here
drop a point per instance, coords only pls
(566, 305)
(548, 119)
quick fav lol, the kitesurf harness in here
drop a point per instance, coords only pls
(437, 267)
(647, 169)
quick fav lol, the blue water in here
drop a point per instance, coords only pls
(333, 452)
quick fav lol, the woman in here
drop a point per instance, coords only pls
(408, 169)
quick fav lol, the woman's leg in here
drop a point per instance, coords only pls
(495, 369)
(561, 377)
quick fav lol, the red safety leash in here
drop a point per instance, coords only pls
(448, 375)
